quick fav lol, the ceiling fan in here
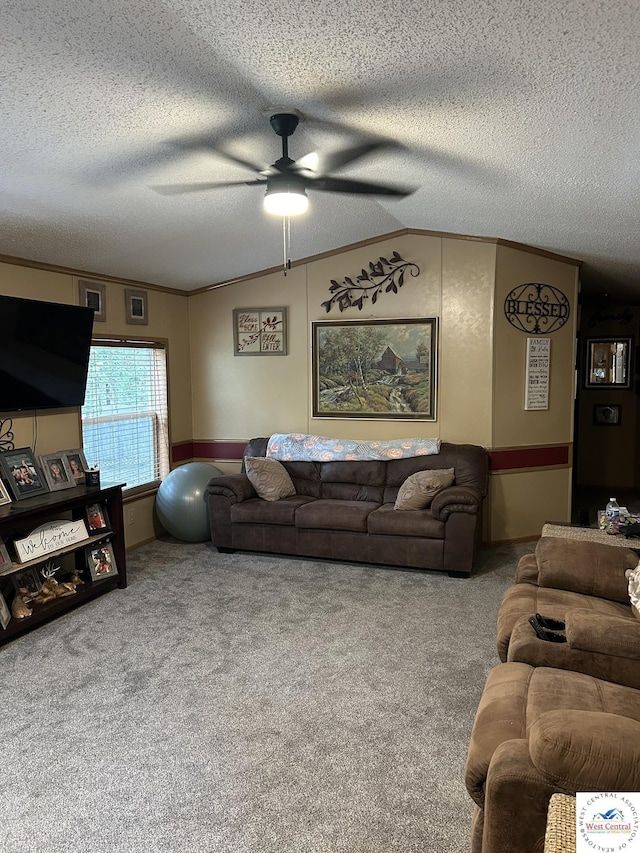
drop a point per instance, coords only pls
(287, 180)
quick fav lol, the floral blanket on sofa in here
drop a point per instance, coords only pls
(290, 447)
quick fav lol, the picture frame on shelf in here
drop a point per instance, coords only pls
(22, 473)
(5, 560)
(97, 518)
(77, 462)
(5, 613)
(28, 579)
(101, 561)
(375, 369)
(5, 497)
(57, 472)
(136, 307)
(607, 414)
(93, 294)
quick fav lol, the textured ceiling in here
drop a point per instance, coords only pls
(517, 120)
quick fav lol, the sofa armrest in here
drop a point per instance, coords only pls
(587, 750)
(605, 634)
(235, 487)
(456, 499)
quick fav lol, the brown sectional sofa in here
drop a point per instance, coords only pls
(557, 717)
(344, 510)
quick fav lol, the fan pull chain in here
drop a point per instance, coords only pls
(286, 243)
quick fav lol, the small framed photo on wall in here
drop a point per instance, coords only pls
(93, 294)
(609, 414)
(136, 310)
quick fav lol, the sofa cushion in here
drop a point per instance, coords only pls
(587, 567)
(335, 515)
(420, 488)
(353, 480)
(387, 522)
(269, 478)
(258, 511)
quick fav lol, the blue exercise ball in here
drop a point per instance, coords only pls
(181, 501)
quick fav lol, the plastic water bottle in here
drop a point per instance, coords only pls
(612, 512)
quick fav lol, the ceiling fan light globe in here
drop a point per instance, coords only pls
(286, 203)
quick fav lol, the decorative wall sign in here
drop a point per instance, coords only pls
(50, 537)
(537, 308)
(385, 273)
(376, 369)
(259, 331)
(537, 381)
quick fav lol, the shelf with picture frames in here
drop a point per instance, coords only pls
(85, 558)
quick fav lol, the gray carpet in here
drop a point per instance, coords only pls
(250, 703)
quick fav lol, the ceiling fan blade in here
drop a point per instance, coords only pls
(345, 185)
(204, 143)
(333, 161)
(178, 189)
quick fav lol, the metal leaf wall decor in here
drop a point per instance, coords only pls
(386, 275)
(6, 434)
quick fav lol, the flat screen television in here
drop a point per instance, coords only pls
(44, 354)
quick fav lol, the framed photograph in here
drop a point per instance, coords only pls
(375, 369)
(609, 414)
(77, 464)
(259, 331)
(5, 497)
(28, 579)
(97, 519)
(136, 307)
(5, 613)
(93, 294)
(57, 472)
(608, 363)
(101, 561)
(22, 473)
(5, 559)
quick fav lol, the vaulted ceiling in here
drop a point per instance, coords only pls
(514, 119)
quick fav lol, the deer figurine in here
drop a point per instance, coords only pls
(51, 589)
(20, 608)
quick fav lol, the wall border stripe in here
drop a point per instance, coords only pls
(508, 459)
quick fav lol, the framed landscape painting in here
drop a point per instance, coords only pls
(375, 369)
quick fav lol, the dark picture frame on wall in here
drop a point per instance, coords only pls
(93, 294)
(607, 414)
(608, 363)
(22, 473)
(375, 369)
(136, 307)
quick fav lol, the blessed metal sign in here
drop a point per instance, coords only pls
(536, 308)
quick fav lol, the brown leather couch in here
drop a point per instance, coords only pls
(345, 511)
(557, 717)
(540, 731)
(582, 584)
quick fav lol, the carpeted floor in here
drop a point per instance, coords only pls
(254, 703)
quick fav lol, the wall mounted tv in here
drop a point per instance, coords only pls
(44, 354)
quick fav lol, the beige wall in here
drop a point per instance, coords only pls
(481, 363)
(522, 502)
(481, 369)
(60, 429)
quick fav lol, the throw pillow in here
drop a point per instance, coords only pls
(420, 488)
(269, 478)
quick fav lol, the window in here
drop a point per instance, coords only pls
(125, 417)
